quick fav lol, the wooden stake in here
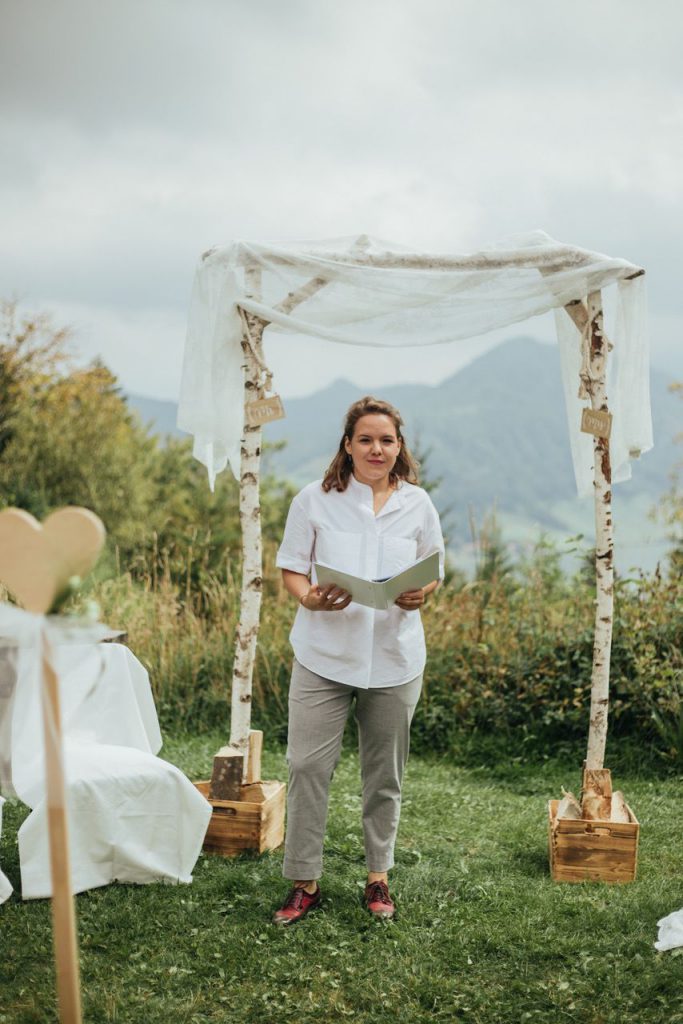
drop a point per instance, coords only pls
(63, 910)
(254, 762)
(36, 563)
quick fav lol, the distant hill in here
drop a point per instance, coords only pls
(488, 430)
(158, 415)
(495, 432)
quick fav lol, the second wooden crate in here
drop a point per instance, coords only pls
(246, 824)
(597, 851)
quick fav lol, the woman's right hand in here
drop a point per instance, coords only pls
(326, 599)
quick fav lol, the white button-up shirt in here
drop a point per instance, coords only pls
(360, 646)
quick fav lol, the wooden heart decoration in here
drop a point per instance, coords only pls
(37, 561)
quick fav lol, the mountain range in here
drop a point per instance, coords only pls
(493, 434)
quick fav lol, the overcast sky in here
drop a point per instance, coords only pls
(137, 133)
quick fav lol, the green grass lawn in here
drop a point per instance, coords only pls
(481, 934)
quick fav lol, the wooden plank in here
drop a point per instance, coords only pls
(594, 872)
(569, 826)
(565, 875)
(594, 853)
(579, 826)
(625, 869)
(232, 806)
(622, 869)
(235, 822)
(589, 840)
(254, 756)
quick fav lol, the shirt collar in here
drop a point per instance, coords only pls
(363, 492)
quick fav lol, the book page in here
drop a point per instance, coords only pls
(419, 575)
(381, 594)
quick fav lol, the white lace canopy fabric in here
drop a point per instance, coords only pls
(367, 292)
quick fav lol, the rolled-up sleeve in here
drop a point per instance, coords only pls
(431, 537)
(295, 552)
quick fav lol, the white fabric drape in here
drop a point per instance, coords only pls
(380, 294)
(628, 387)
(133, 817)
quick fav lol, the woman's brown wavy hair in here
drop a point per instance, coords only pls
(341, 467)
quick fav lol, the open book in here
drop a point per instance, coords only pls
(381, 594)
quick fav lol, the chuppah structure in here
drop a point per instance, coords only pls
(362, 291)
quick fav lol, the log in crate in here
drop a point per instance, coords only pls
(250, 816)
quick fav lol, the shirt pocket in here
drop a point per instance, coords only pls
(339, 549)
(396, 554)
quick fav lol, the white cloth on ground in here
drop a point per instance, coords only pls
(367, 292)
(360, 646)
(132, 816)
(670, 934)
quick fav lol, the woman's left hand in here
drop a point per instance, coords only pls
(411, 600)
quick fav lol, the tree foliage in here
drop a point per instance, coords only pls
(68, 437)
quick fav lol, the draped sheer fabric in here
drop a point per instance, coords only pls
(362, 291)
(132, 816)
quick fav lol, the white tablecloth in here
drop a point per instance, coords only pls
(132, 816)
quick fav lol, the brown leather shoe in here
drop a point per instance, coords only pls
(377, 899)
(297, 905)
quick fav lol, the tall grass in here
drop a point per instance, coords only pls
(509, 656)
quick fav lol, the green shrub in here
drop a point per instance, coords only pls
(510, 666)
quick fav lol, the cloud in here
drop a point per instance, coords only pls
(139, 134)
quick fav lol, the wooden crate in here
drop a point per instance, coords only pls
(598, 851)
(247, 824)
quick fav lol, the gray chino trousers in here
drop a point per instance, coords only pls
(318, 709)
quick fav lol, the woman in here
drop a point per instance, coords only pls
(367, 517)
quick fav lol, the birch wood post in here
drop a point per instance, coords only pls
(63, 910)
(604, 544)
(250, 513)
(250, 522)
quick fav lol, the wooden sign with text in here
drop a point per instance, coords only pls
(597, 422)
(264, 410)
